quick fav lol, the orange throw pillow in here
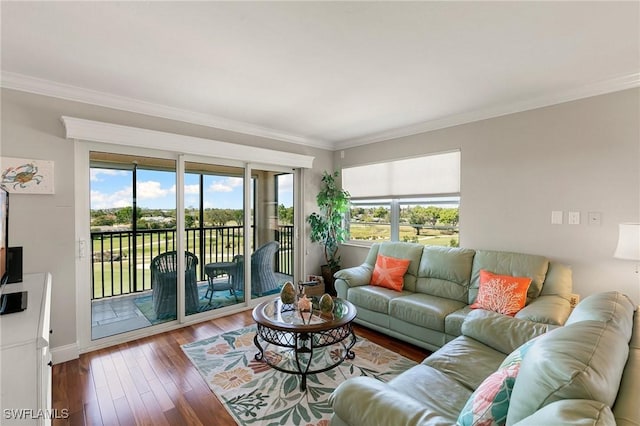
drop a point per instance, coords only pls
(501, 293)
(389, 272)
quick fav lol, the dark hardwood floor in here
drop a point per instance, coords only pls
(151, 382)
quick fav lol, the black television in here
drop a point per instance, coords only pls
(15, 301)
(4, 236)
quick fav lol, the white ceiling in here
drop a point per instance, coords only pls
(326, 74)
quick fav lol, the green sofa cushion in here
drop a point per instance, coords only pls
(584, 360)
(506, 263)
(445, 272)
(500, 332)
(365, 401)
(558, 280)
(611, 306)
(453, 322)
(626, 408)
(373, 298)
(549, 309)
(465, 360)
(423, 310)
(575, 412)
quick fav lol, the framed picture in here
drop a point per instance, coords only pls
(27, 176)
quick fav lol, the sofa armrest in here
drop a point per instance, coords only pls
(576, 412)
(355, 276)
(352, 277)
(500, 332)
(369, 402)
(550, 309)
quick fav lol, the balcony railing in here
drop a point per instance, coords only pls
(121, 259)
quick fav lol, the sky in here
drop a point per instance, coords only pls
(157, 190)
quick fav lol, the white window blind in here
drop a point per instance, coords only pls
(432, 174)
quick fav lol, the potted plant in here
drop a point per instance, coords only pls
(327, 224)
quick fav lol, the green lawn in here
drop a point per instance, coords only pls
(378, 232)
(121, 279)
(118, 270)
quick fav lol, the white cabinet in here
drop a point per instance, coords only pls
(25, 359)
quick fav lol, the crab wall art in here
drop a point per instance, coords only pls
(20, 175)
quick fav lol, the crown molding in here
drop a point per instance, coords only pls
(24, 83)
(600, 88)
(44, 87)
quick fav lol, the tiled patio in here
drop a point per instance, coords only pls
(114, 315)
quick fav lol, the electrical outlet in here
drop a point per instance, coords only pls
(574, 299)
(595, 218)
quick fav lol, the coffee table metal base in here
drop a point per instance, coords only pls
(304, 344)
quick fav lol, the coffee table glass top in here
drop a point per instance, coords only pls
(278, 315)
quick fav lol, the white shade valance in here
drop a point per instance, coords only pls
(96, 131)
(428, 175)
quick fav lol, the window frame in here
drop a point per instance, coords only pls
(395, 206)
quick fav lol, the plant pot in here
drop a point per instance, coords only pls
(327, 275)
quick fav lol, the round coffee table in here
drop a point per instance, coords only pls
(292, 345)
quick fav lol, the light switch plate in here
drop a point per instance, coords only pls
(556, 217)
(574, 218)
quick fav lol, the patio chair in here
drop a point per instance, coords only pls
(263, 276)
(164, 283)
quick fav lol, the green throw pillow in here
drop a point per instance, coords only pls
(489, 403)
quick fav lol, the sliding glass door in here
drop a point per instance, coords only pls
(133, 253)
(272, 261)
(214, 232)
(237, 238)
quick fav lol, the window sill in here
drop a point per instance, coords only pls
(356, 243)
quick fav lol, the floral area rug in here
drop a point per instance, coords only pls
(256, 394)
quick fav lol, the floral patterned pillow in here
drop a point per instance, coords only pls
(501, 293)
(489, 403)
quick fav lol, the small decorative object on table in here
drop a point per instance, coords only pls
(326, 304)
(288, 293)
(305, 308)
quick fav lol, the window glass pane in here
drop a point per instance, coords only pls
(215, 193)
(426, 220)
(370, 220)
(272, 256)
(430, 221)
(285, 234)
(133, 219)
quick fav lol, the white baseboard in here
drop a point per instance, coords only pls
(65, 353)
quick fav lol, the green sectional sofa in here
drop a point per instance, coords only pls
(586, 372)
(439, 286)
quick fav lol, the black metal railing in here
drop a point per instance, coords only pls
(121, 259)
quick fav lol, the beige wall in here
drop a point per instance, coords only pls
(516, 169)
(578, 156)
(45, 225)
